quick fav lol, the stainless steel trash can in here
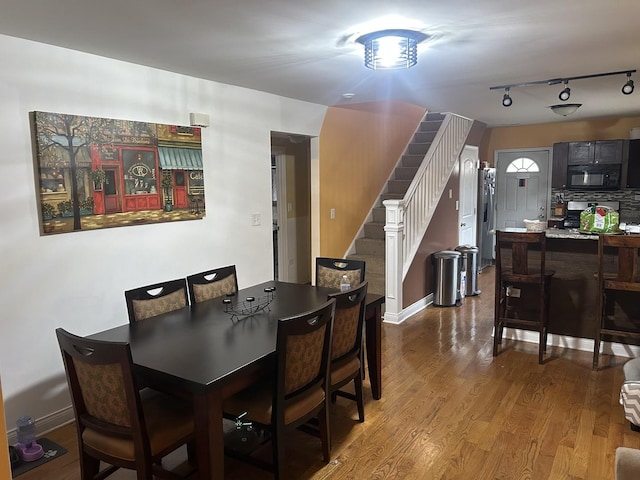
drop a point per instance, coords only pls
(447, 273)
(470, 266)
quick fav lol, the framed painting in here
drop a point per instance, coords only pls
(94, 173)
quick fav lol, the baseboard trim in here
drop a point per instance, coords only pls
(398, 318)
(575, 343)
(46, 424)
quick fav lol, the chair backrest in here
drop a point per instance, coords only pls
(348, 322)
(622, 272)
(329, 271)
(103, 388)
(303, 349)
(152, 300)
(212, 283)
(513, 255)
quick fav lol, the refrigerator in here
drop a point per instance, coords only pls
(486, 237)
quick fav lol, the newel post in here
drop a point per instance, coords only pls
(394, 255)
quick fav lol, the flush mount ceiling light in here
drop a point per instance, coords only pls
(627, 88)
(566, 92)
(564, 95)
(391, 49)
(565, 109)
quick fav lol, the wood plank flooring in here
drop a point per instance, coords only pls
(450, 410)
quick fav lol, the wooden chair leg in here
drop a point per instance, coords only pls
(359, 397)
(325, 433)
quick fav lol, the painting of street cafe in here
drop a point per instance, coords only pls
(94, 173)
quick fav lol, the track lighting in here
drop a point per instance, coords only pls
(564, 95)
(628, 87)
(506, 99)
(566, 92)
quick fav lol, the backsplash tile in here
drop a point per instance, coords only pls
(629, 200)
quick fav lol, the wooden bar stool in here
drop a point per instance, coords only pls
(522, 286)
(618, 288)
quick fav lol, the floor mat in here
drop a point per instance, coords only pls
(51, 450)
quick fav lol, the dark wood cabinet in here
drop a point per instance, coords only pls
(559, 165)
(633, 165)
(595, 152)
(580, 153)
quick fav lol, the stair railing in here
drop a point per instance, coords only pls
(407, 219)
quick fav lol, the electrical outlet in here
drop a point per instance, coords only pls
(289, 207)
(332, 214)
(255, 219)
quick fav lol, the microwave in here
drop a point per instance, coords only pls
(594, 177)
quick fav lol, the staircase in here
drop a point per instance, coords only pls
(371, 247)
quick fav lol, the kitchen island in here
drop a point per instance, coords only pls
(574, 300)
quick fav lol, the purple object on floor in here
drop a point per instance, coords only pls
(31, 451)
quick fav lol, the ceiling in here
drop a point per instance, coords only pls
(306, 49)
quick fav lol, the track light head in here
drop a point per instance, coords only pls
(628, 87)
(565, 93)
(506, 99)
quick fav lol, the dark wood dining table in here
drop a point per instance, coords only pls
(209, 353)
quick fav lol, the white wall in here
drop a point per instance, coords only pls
(76, 280)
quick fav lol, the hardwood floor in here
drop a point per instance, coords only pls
(450, 410)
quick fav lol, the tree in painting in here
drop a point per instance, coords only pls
(72, 134)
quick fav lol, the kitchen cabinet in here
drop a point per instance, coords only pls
(595, 152)
(559, 165)
(633, 166)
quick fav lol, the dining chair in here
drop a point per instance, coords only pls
(115, 422)
(151, 300)
(522, 286)
(298, 390)
(212, 283)
(618, 289)
(329, 271)
(346, 345)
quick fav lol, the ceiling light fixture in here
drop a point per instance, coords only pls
(566, 92)
(391, 49)
(506, 98)
(565, 109)
(628, 87)
(564, 95)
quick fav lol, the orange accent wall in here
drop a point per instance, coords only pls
(5, 466)
(546, 134)
(359, 146)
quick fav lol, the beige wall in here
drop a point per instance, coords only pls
(359, 146)
(545, 135)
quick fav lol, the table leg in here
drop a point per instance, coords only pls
(209, 435)
(373, 334)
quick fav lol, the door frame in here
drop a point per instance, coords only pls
(549, 151)
(281, 209)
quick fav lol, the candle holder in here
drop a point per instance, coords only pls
(250, 305)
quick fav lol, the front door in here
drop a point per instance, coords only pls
(468, 195)
(522, 186)
(112, 190)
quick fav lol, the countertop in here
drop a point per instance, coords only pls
(570, 233)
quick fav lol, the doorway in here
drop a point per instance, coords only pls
(111, 190)
(291, 211)
(522, 186)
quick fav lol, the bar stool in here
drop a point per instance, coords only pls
(618, 288)
(521, 277)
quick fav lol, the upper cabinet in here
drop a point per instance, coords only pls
(559, 165)
(595, 152)
(633, 166)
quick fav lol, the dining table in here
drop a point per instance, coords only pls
(212, 349)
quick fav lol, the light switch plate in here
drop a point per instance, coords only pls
(255, 219)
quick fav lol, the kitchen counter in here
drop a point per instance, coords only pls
(574, 287)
